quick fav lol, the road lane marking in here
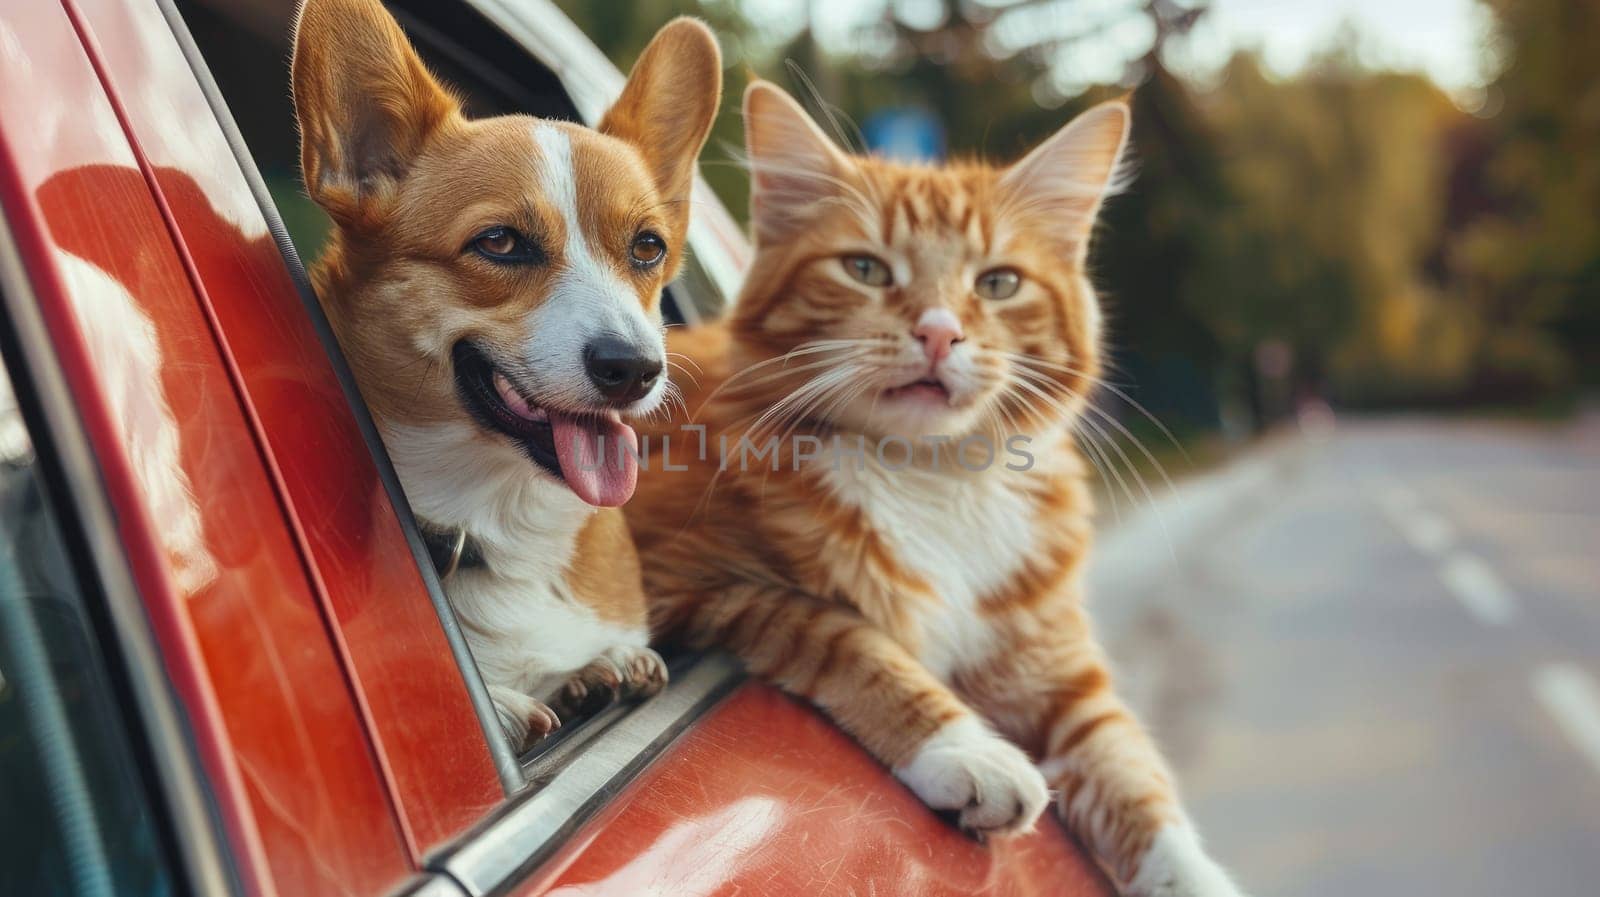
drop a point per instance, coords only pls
(1395, 500)
(1398, 496)
(1474, 583)
(1570, 695)
(1479, 589)
(1430, 533)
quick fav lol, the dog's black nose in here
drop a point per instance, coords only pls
(622, 371)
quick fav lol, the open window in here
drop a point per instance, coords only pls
(243, 48)
(246, 46)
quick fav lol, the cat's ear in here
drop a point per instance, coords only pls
(669, 102)
(365, 102)
(1065, 179)
(793, 165)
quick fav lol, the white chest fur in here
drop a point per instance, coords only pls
(525, 627)
(966, 533)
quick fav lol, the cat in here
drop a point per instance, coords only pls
(886, 513)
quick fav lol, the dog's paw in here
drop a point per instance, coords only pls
(1176, 866)
(621, 673)
(644, 673)
(988, 782)
(525, 719)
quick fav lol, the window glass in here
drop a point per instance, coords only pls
(75, 818)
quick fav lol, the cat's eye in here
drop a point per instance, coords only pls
(870, 271)
(648, 249)
(1000, 283)
(505, 245)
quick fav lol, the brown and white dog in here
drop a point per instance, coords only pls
(495, 285)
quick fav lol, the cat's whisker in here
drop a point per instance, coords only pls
(844, 351)
(675, 366)
(1011, 419)
(1041, 364)
(686, 358)
(1095, 454)
(775, 375)
(858, 385)
(1137, 443)
(816, 386)
(845, 389)
(812, 348)
(1097, 457)
(1061, 408)
(1150, 500)
(826, 402)
(739, 380)
(1005, 397)
(1107, 439)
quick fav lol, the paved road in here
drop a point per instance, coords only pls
(1374, 658)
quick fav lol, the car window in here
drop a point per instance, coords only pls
(78, 818)
(240, 53)
(246, 49)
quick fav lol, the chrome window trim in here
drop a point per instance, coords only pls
(430, 885)
(182, 789)
(573, 784)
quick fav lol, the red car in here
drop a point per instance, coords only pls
(228, 667)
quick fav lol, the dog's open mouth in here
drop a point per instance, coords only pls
(592, 451)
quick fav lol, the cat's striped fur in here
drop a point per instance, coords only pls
(934, 611)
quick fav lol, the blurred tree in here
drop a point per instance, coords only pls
(1350, 230)
(1337, 184)
(1533, 263)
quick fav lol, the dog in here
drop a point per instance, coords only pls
(495, 285)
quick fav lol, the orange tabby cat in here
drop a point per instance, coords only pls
(887, 514)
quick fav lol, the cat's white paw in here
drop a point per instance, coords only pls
(967, 768)
(1176, 866)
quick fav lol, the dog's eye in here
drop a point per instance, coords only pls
(647, 249)
(868, 270)
(502, 244)
(1000, 283)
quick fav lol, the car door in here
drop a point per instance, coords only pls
(256, 736)
(686, 793)
(403, 657)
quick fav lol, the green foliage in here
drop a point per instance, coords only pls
(1533, 267)
(1390, 247)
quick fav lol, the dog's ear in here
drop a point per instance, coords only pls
(366, 106)
(669, 102)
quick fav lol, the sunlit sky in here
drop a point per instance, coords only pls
(1444, 39)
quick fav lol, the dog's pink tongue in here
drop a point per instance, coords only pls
(597, 457)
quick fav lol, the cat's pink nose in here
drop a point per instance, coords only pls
(938, 330)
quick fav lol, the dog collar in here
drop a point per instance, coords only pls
(450, 548)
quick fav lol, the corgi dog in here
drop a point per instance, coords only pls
(495, 284)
